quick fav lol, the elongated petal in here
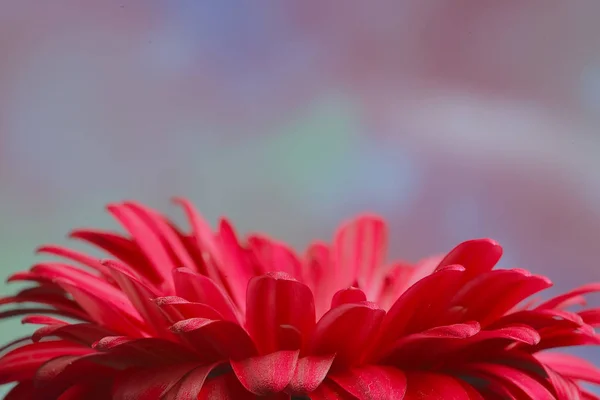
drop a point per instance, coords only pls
(106, 311)
(571, 366)
(514, 379)
(360, 247)
(216, 340)
(22, 363)
(149, 243)
(161, 228)
(73, 255)
(141, 297)
(224, 387)
(57, 375)
(264, 375)
(201, 289)
(557, 301)
(120, 247)
(177, 309)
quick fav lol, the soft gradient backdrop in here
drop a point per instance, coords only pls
(453, 119)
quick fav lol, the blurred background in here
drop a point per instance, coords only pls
(454, 120)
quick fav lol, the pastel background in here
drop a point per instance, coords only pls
(454, 120)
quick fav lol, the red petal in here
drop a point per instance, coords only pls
(432, 386)
(141, 297)
(106, 311)
(201, 289)
(515, 380)
(309, 374)
(58, 374)
(216, 340)
(235, 262)
(316, 274)
(491, 294)
(122, 248)
(200, 229)
(360, 248)
(346, 330)
(540, 319)
(571, 366)
(73, 255)
(277, 301)
(373, 382)
(477, 256)
(404, 316)
(266, 374)
(86, 334)
(422, 349)
(564, 387)
(557, 301)
(273, 256)
(177, 309)
(591, 317)
(486, 342)
(22, 363)
(350, 295)
(148, 241)
(163, 230)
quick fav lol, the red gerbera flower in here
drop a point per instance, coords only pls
(201, 315)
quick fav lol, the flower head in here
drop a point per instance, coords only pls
(203, 315)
